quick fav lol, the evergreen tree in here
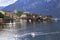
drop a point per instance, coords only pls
(19, 13)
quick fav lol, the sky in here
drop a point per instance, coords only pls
(6, 2)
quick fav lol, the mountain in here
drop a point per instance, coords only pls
(1, 8)
(37, 6)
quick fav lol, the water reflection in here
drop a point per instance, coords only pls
(30, 31)
(1, 26)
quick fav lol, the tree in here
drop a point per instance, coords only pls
(19, 13)
(1, 15)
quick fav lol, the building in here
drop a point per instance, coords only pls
(28, 16)
(9, 14)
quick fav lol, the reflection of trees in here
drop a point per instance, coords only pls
(1, 27)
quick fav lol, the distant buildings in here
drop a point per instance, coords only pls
(9, 14)
(6, 13)
(35, 17)
(27, 16)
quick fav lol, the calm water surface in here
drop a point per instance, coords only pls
(31, 31)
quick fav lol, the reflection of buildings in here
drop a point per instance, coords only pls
(1, 21)
(1, 27)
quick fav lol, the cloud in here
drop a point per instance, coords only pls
(6, 2)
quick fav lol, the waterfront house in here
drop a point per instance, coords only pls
(9, 15)
(47, 18)
(26, 16)
(6, 13)
(35, 17)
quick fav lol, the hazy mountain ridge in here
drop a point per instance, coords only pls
(36, 6)
(1, 8)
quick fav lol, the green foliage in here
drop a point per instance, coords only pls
(19, 13)
(1, 15)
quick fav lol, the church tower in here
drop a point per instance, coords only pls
(15, 10)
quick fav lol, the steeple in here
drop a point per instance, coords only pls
(15, 11)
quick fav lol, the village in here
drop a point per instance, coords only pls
(29, 17)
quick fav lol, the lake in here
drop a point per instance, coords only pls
(31, 31)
